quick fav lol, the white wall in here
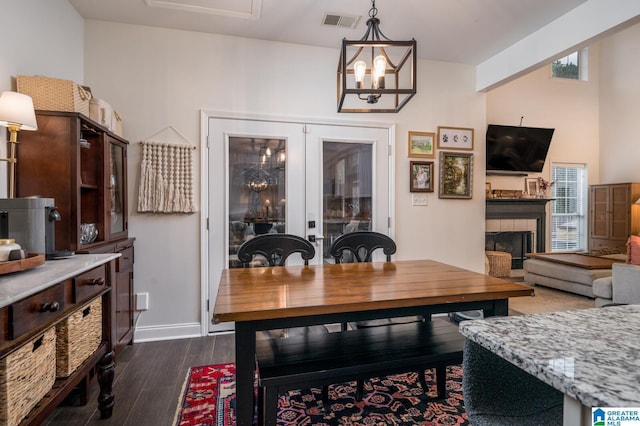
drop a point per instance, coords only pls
(620, 107)
(158, 77)
(41, 37)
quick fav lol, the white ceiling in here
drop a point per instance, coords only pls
(464, 31)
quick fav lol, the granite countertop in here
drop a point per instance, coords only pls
(18, 285)
(592, 355)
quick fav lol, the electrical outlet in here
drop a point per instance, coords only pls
(419, 199)
(142, 301)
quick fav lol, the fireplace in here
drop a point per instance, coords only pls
(517, 243)
(521, 208)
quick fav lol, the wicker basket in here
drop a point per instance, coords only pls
(26, 375)
(499, 263)
(54, 94)
(78, 337)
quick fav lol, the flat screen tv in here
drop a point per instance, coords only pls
(517, 148)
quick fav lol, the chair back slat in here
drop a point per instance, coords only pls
(276, 248)
(361, 245)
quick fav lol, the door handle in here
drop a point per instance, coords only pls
(314, 238)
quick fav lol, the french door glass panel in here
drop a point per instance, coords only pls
(347, 190)
(257, 190)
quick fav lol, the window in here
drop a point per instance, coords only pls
(572, 66)
(568, 221)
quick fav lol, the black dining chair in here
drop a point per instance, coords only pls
(358, 246)
(274, 250)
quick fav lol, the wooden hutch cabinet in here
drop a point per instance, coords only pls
(83, 167)
(612, 216)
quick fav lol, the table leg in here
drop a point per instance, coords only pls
(500, 308)
(574, 413)
(245, 366)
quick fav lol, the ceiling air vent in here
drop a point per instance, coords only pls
(336, 20)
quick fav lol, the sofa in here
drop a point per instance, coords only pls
(623, 286)
(563, 277)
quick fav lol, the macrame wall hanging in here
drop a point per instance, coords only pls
(166, 174)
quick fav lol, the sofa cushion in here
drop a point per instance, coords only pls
(626, 283)
(602, 288)
(565, 272)
(633, 250)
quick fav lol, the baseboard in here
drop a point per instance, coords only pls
(167, 332)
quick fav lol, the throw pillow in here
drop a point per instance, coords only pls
(633, 250)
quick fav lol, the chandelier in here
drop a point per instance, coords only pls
(376, 74)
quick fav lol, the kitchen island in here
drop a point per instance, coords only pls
(589, 355)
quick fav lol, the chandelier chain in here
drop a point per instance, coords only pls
(374, 10)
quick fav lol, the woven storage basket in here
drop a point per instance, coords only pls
(78, 337)
(499, 263)
(26, 375)
(55, 94)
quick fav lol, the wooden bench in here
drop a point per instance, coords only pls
(322, 359)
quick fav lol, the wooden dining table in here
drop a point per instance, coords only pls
(294, 296)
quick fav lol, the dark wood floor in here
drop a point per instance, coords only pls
(148, 382)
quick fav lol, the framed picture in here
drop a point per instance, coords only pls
(487, 190)
(421, 144)
(456, 175)
(421, 176)
(455, 138)
(531, 186)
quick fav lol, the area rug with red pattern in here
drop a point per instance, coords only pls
(209, 400)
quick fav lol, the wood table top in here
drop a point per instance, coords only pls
(576, 259)
(247, 294)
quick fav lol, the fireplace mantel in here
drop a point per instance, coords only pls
(521, 208)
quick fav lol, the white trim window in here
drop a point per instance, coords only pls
(571, 67)
(568, 218)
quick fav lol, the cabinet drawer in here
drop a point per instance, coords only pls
(126, 260)
(35, 311)
(87, 285)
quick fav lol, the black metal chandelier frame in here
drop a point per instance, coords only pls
(376, 42)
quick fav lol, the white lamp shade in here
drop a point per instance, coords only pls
(17, 109)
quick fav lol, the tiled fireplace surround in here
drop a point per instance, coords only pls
(504, 216)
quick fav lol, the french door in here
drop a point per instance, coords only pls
(317, 181)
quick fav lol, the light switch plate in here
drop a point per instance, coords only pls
(419, 199)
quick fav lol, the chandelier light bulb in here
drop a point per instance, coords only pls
(379, 67)
(359, 69)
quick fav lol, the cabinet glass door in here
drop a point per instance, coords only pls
(116, 189)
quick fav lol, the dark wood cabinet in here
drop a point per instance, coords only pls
(36, 303)
(83, 167)
(612, 216)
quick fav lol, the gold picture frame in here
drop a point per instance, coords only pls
(455, 138)
(422, 144)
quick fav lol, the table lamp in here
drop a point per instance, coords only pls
(16, 113)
